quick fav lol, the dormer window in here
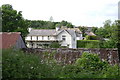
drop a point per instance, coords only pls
(63, 37)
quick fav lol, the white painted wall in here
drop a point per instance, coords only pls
(52, 37)
(39, 37)
(68, 39)
(74, 42)
(28, 38)
(34, 38)
(79, 38)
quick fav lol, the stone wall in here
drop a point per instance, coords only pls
(69, 56)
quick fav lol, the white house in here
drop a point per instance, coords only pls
(37, 38)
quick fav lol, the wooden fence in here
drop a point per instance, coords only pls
(69, 56)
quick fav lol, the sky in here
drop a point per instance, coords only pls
(79, 12)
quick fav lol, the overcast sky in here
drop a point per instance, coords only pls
(78, 12)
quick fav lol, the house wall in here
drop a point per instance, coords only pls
(74, 42)
(67, 41)
(37, 44)
(28, 38)
(34, 37)
(79, 38)
(40, 38)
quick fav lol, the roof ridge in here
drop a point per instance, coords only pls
(43, 29)
(10, 32)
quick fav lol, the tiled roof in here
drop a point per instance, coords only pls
(9, 39)
(71, 32)
(42, 32)
(90, 33)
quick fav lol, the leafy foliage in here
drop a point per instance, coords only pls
(0, 19)
(83, 29)
(110, 31)
(54, 45)
(17, 64)
(92, 37)
(12, 21)
(88, 44)
(40, 24)
(90, 62)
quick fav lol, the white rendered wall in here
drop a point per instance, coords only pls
(67, 41)
(34, 38)
(28, 38)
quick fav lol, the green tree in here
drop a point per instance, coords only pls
(12, 20)
(0, 19)
(90, 61)
(94, 29)
(67, 24)
(83, 30)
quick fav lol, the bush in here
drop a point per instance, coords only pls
(17, 64)
(55, 45)
(89, 66)
(91, 37)
(91, 62)
(108, 44)
(88, 43)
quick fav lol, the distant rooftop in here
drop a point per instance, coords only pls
(8, 39)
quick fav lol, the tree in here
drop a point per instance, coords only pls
(67, 24)
(94, 29)
(90, 61)
(107, 23)
(12, 20)
(83, 30)
(110, 31)
(0, 19)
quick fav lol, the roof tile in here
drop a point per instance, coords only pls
(8, 39)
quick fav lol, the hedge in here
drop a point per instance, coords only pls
(92, 37)
(88, 44)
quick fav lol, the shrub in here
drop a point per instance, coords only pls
(91, 62)
(91, 37)
(108, 44)
(17, 64)
(88, 43)
(55, 45)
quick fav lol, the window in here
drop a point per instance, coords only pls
(63, 37)
(31, 37)
(42, 37)
(48, 37)
(37, 37)
(68, 45)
